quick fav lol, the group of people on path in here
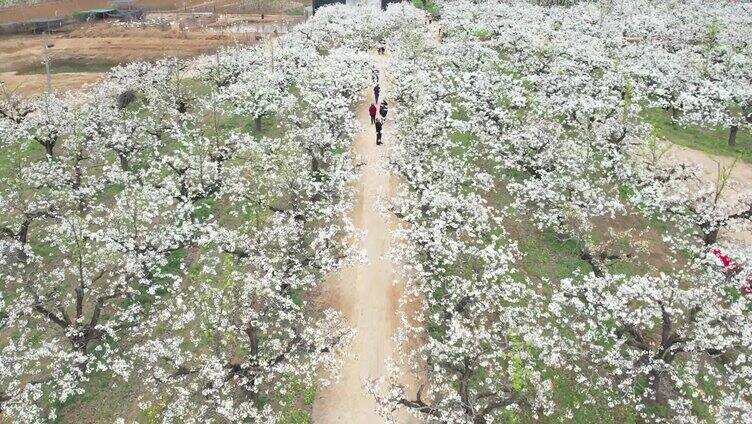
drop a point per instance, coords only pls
(382, 110)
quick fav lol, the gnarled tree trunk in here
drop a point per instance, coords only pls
(732, 135)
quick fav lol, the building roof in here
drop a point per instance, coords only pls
(98, 11)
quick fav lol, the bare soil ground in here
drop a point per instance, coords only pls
(61, 8)
(740, 179)
(80, 55)
(35, 84)
(366, 294)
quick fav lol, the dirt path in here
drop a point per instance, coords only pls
(741, 173)
(740, 181)
(365, 293)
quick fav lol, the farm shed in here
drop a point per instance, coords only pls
(99, 14)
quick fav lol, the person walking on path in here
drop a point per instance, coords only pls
(372, 112)
(375, 76)
(383, 109)
(379, 125)
(376, 91)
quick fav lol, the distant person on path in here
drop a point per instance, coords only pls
(376, 91)
(372, 112)
(383, 109)
(375, 74)
(379, 125)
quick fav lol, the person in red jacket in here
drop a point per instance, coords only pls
(372, 112)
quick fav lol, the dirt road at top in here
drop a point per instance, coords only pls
(366, 293)
(62, 8)
(81, 54)
(18, 54)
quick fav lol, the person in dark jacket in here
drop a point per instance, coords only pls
(376, 91)
(379, 125)
(383, 109)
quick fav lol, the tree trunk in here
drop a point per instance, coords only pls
(732, 135)
(258, 124)
(23, 237)
(3, 398)
(674, 113)
(124, 162)
(48, 149)
(78, 342)
(658, 397)
(315, 169)
(710, 237)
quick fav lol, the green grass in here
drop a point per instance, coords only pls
(68, 66)
(568, 393)
(547, 256)
(105, 399)
(11, 155)
(269, 125)
(483, 34)
(196, 87)
(713, 141)
(427, 5)
(296, 11)
(203, 210)
(299, 401)
(11, 3)
(464, 141)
